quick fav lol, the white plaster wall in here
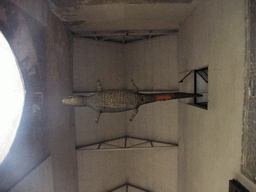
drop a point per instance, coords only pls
(93, 60)
(210, 140)
(153, 169)
(100, 170)
(110, 126)
(40, 179)
(152, 64)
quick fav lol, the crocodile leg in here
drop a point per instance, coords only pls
(135, 88)
(135, 111)
(98, 117)
(99, 86)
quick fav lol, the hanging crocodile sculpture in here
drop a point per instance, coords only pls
(119, 100)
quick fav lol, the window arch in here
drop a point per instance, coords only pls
(12, 97)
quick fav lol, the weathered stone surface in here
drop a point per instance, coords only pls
(249, 128)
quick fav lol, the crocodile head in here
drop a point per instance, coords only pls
(75, 100)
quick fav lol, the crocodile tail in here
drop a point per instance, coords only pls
(168, 96)
(176, 95)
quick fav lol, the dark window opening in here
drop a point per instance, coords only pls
(201, 87)
(236, 186)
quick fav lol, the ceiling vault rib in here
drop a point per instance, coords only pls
(129, 33)
(125, 143)
(140, 141)
(175, 144)
(125, 36)
(127, 186)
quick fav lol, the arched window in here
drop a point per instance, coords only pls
(11, 97)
